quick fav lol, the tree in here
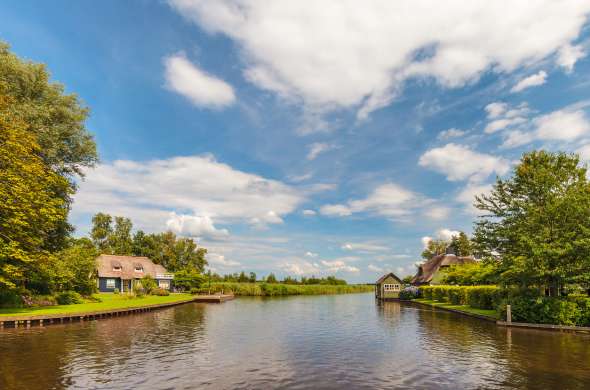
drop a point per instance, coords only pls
(434, 248)
(119, 241)
(34, 200)
(271, 278)
(54, 118)
(79, 261)
(461, 245)
(252, 277)
(187, 279)
(537, 222)
(102, 230)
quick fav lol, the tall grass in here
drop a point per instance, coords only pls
(276, 289)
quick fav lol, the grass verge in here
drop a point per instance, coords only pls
(462, 308)
(109, 301)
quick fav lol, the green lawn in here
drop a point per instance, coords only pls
(109, 302)
(464, 308)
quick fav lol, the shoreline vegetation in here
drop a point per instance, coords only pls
(491, 314)
(282, 289)
(99, 302)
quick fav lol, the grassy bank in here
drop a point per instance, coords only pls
(462, 308)
(276, 289)
(108, 301)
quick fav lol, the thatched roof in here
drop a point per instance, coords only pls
(429, 268)
(382, 279)
(106, 265)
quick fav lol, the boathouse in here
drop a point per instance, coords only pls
(388, 287)
(123, 272)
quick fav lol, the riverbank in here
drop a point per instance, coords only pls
(105, 302)
(279, 289)
(490, 315)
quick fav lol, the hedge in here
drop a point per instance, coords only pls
(479, 297)
(572, 310)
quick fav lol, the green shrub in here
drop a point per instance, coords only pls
(68, 298)
(409, 293)
(11, 299)
(439, 293)
(545, 310)
(160, 292)
(458, 295)
(116, 291)
(149, 284)
(482, 297)
(426, 292)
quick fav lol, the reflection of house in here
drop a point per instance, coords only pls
(429, 269)
(388, 287)
(121, 272)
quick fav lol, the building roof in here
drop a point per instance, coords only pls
(429, 268)
(106, 265)
(382, 279)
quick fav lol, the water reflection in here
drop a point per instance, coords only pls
(345, 341)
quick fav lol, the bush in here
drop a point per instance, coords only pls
(545, 310)
(479, 297)
(116, 291)
(68, 298)
(188, 279)
(409, 293)
(426, 292)
(482, 297)
(160, 292)
(11, 299)
(149, 284)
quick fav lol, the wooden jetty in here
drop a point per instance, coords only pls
(49, 319)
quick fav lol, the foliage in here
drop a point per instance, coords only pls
(149, 284)
(34, 202)
(461, 245)
(53, 118)
(68, 298)
(101, 231)
(409, 293)
(407, 279)
(479, 297)
(78, 264)
(188, 279)
(471, 274)
(271, 278)
(116, 291)
(546, 310)
(160, 292)
(281, 289)
(434, 248)
(538, 222)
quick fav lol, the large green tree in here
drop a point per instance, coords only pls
(537, 222)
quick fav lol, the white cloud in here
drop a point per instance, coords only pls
(496, 109)
(300, 178)
(318, 148)
(199, 87)
(335, 210)
(308, 213)
(338, 266)
(441, 234)
(451, 133)
(301, 268)
(334, 54)
(568, 56)
(220, 260)
(530, 81)
(503, 123)
(437, 212)
(363, 247)
(374, 268)
(194, 226)
(584, 152)
(459, 162)
(425, 240)
(198, 185)
(562, 125)
(387, 200)
(310, 254)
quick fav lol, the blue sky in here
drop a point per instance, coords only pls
(309, 138)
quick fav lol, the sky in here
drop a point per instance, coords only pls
(310, 138)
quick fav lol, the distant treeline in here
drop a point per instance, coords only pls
(280, 289)
(271, 278)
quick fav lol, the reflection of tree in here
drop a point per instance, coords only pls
(96, 351)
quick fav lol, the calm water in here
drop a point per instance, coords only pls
(344, 341)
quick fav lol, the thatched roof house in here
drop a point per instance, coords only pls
(428, 269)
(119, 272)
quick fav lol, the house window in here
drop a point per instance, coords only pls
(164, 284)
(138, 269)
(391, 287)
(110, 283)
(117, 268)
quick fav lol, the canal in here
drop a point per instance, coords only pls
(339, 342)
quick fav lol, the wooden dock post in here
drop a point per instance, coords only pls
(508, 314)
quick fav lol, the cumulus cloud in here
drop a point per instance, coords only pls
(374, 268)
(301, 268)
(459, 162)
(310, 254)
(194, 226)
(200, 88)
(530, 81)
(333, 54)
(568, 56)
(196, 186)
(308, 213)
(220, 260)
(338, 266)
(451, 133)
(387, 200)
(318, 148)
(441, 234)
(584, 152)
(437, 212)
